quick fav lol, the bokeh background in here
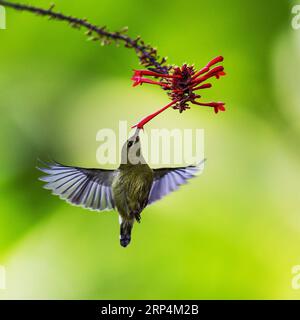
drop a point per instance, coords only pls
(232, 233)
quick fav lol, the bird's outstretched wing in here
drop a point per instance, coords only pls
(89, 188)
(167, 180)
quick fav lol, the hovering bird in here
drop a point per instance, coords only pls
(129, 189)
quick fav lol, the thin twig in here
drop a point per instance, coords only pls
(147, 55)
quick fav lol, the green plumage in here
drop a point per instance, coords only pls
(131, 187)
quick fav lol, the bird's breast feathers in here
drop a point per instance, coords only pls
(131, 188)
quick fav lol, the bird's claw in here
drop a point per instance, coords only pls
(138, 217)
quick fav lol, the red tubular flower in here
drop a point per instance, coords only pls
(181, 84)
(142, 122)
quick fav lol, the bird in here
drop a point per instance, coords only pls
(128, 190)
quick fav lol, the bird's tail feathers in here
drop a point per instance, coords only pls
(125, 231)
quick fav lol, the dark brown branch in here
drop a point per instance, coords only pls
(147, 55)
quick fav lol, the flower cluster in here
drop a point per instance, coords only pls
(181, 83)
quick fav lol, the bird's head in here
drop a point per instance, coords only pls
(131, 151)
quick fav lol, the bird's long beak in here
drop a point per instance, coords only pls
(137, 132)
(136, 137)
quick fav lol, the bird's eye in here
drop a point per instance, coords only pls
(130, 143)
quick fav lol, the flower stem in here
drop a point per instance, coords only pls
(147, 55)
(145, 120)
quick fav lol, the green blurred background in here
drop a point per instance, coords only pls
(233, 232)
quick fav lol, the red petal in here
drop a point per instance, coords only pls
(214, 61)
